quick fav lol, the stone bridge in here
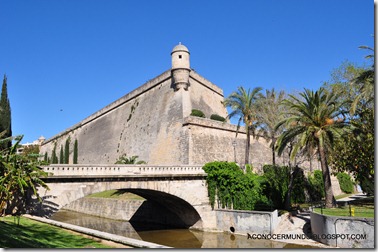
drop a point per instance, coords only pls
(180, 192)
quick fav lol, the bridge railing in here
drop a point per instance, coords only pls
(120, 170)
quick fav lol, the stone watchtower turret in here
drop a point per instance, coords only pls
(180, 67)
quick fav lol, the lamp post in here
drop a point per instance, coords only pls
(234, 144)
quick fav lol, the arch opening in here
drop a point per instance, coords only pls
(162, 210)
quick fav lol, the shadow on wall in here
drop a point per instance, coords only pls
(163, 209)
(44, 208)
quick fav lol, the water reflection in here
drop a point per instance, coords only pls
(177, 238)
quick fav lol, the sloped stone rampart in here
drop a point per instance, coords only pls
(116, 209)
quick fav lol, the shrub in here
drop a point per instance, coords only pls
(346, 184)
(198, 113)
(276, 184)
(248, 168)
(316, 186)
(231, 187)
(299, 185)
(123, 159)
(217, 118)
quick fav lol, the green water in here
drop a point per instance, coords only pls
(177, 238)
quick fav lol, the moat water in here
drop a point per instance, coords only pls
(177, 238)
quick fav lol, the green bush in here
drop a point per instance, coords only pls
(346, 184)
(198, 113)
(231, 188)
(276, 184)
(316, 186)
(217, 118)
(123, 159)
(299, 185)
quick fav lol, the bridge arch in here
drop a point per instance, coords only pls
(164, 208)
(183, 199)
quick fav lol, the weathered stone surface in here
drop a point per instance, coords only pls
(153, 122)
(115, 209)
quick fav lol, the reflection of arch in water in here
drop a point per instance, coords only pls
(163, 209)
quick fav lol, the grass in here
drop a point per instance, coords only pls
(116, 194)
(33, 234)
(344, 211)
(362, 208)
(343, 196)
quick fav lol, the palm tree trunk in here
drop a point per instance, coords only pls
(290, 187)
(273, 151)
(329, 198)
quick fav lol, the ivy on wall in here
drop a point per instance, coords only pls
(230, 188)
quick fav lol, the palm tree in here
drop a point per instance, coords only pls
(243, 104)
(365, 82)
(317, 122)
(270, 113)
(19, 179)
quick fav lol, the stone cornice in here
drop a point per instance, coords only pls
(209, 123)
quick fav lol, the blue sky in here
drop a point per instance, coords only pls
(66, 59)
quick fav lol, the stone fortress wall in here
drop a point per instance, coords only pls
(153, 122)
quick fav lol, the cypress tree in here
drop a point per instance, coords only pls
(61, 157)
(67, 151)
(75, 152)
(54, 158)
(5, 114)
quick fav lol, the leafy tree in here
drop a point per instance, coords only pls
(75, 155)
(31, 151)
(270, 113)
(244, 105)
(317, 122)
(5, 116)
(19, 179)
(355, 153)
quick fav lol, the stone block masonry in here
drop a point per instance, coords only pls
(153, 122)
